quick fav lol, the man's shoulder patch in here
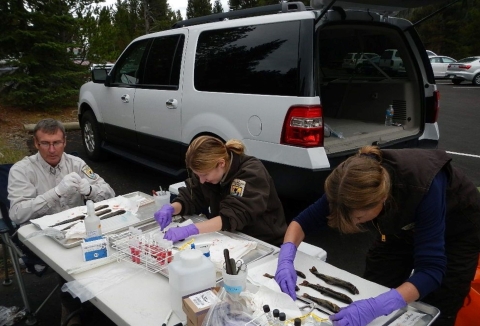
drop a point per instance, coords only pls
(237, 187)
(89, 172)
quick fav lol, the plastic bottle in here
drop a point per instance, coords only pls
(389, 116)
(93, 227)
(189, 272)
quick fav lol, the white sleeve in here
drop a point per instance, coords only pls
(24, 203)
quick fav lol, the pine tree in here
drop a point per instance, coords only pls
(217, 7)
(198, 8)
(39, 37)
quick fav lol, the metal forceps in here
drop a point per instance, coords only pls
(237, 266)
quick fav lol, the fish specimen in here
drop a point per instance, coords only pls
(328, 292)
(335, 281)
(271, 276)
(300, 274)
(324, 303)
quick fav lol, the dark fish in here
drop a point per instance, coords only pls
(328, 292)
(119, 212)
(335, 281)
(271, 276)
(105, 211)
(300, 274)
(73, 219)
(324, 303)
(101, 207)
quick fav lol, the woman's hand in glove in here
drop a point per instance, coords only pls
(164, 216)
(180, 233)
(286, 276)
(361, 312)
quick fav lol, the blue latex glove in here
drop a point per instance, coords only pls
(361, 312)
(181, 233)
(164, 216)
(286, 276)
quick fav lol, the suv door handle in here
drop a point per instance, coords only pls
(171, 103)
(125, 98)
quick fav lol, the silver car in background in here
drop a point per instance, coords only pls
(440, 64)
(467, 69)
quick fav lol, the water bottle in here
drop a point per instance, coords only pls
(389, 116)
(93, 227)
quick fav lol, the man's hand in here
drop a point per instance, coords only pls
(70, 183)
(84, 187)
(180, 233)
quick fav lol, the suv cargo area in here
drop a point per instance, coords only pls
(354, 102)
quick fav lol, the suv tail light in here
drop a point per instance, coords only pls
(432, 108)
(303, 126)
(465, 67)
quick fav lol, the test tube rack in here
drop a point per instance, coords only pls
(142, 250)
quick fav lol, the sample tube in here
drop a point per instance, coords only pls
(276, 314)
(282, 317)
(297, 322)
(266, 310)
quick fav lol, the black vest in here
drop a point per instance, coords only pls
(412, 172)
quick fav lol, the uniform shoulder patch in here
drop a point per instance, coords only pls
(237, 187)
(89, 172)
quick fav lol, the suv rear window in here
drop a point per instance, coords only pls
(257, 59)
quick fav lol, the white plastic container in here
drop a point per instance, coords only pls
(189, 272)
(93, 227)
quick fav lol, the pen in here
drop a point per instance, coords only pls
(168, 318)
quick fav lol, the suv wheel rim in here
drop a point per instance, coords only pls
(476, 80)
(88, 137)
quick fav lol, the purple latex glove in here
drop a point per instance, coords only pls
(285, 275)
(164, 216)
(362, 312)
(181, 232)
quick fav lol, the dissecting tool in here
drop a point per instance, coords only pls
(168, 318)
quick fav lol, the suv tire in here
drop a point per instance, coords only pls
(91, 137)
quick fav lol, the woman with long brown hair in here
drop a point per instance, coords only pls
(426, 214)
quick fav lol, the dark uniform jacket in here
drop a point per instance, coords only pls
(412, 172)
(246, 200)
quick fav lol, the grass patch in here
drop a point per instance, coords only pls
(10, 155)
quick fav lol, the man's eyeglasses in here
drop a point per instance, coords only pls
(55, 144)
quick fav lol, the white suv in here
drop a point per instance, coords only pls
(273, 81)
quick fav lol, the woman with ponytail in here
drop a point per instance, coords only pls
(235, 188)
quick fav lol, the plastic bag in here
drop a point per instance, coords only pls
(229, 310)
(10, 316)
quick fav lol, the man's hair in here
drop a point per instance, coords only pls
(49, 126)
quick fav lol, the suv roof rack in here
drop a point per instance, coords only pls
(242, 13)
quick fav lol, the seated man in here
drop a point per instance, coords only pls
(52, 181)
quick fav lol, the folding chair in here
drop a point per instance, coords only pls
(7, 233)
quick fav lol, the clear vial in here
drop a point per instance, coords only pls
(276, 314)
(282, 318)
(268, 314)
(389, 115)
(297, 322)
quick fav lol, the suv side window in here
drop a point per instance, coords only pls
(256, 59)
(126, 71)
(162, 67)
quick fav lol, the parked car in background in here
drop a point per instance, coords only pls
(440, 64)
(353, 60)
(431, 53)
(370, 66)
(392, 62)
(467, 69)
